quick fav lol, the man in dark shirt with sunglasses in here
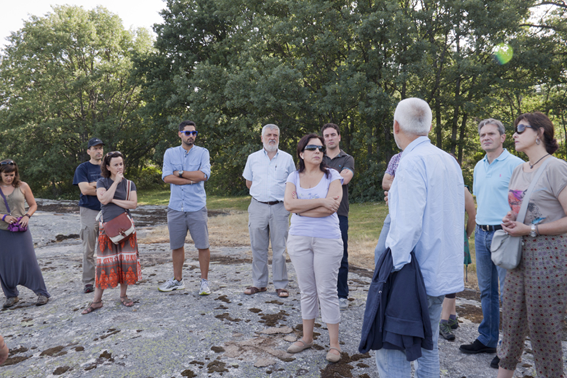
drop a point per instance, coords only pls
(344, 164)
(186, 168)
(86, 176)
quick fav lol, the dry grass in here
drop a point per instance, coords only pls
(232, 231)
(361, 251)
(361, 254)
(224, 231)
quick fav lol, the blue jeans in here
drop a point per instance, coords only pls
(342, 282)
(381, 246)
(488, 276)
(393, 363)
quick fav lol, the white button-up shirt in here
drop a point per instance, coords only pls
(268, 176)
(427, 210)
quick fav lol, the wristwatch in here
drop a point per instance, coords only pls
(180, 173)
(533, 232)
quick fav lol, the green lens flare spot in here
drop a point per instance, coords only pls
(503, 53)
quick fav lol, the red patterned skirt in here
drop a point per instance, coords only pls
(117, 263)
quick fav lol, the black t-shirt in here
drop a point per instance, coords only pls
(111, 211)
(340, 162)
(87, 172)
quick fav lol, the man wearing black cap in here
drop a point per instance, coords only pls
(86, 176)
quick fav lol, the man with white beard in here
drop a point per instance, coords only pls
(266, 172)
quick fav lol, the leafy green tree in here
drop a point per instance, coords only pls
(233, 65)
(65, 78)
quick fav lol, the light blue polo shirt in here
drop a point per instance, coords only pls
(490, 186)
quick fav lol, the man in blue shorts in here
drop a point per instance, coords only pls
(186, 168)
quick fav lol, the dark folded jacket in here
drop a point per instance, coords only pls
(397, 310)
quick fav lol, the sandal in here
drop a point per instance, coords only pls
(253, 290)
(332, 357)
(91, 308)
(282, 293)
(127, 302)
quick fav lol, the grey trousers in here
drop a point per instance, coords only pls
(89, 237)
(265, 223)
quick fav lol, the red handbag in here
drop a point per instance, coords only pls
(120, 227)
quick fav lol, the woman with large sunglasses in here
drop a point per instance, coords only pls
(115, 263)
(534, 292)
(18, 263)
(313, 194)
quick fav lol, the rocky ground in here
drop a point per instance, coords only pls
(181, 334)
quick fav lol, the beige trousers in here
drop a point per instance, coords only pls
(89, 237)
(316, 262)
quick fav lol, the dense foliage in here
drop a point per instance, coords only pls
(65, 78)
(233, 65)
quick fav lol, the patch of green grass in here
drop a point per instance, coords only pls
(153, 197)
(231, 203)
(365, 220)
(161, 197)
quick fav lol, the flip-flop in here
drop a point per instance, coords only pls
(282, 293)
(127, 302)
(253, 290)
(90, 309)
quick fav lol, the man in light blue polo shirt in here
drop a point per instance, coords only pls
(186, 168)
(491, 178)
(266, 172)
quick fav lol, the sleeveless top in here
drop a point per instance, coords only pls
(16, 201)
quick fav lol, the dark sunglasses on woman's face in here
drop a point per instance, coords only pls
(520, 128)
(9, 162)
(187, 133)
(313, 147)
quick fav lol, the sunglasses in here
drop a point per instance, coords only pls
(114, 154)
(520, 128)
(8, 162)
(187, 133)
(313, 147)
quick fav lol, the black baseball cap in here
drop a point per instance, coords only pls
(95, 142)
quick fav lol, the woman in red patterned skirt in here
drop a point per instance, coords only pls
(115, 263)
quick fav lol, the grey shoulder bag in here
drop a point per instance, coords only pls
(506, 250)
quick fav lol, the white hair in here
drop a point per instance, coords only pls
(270, 126)
(414, 116)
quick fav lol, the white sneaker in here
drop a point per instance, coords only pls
(343, 303)
(172, 284)
(205, 290)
